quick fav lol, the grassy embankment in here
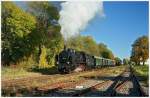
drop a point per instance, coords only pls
(52, 79)
(12, 73)
(142, 72)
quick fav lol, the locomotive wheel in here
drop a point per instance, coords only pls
(69, 70)
(62, 71)
(66, 71)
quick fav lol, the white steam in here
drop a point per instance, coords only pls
(74, 16)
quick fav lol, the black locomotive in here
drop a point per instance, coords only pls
(70, 60)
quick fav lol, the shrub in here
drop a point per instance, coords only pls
(43, 61)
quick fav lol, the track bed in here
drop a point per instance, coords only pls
(113, 81)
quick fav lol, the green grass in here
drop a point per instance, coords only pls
(142, 72)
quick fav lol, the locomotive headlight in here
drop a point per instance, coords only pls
(68, 62)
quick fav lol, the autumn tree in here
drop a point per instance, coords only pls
(48, 29)
(125, 61)
(88, 45)
(75, 43)
(105, 52)
(83, 43)
(118, 61)
(43, 62)
(16, 27)
(140, 50)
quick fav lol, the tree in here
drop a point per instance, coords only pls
(83, 43)
(43, 62)
(118, 61)
(75, 43)
(46, 16)
(140, 50)
(16, 27)
(125, 61)
(90, 45)
(105, 52)
(48, 29)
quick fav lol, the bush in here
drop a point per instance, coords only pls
(43, 61)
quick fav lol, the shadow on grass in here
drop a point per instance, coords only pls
(142, 78)
(45, 71)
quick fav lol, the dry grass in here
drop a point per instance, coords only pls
(15, 73)
(52, 80)
(49, 79)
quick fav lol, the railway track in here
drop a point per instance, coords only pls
(12, 86)
(71, 90)
(125, 84)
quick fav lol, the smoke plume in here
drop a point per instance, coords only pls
(74, 16)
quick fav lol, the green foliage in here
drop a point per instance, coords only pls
(142, 70)
(75, 43)
(16, 21)
(125, 61)
(27, 63)
(118, 61)
(105, 52)
(48, 30)
(46, 16)
(43, 61)
(143, 73)
(88, 45)
(140, 50)
(16, 26)
(83, 43)
(25, 33)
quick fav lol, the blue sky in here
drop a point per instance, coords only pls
(123, 24)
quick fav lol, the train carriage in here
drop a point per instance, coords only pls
(98, 61)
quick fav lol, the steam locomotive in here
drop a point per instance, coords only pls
(70, 60)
